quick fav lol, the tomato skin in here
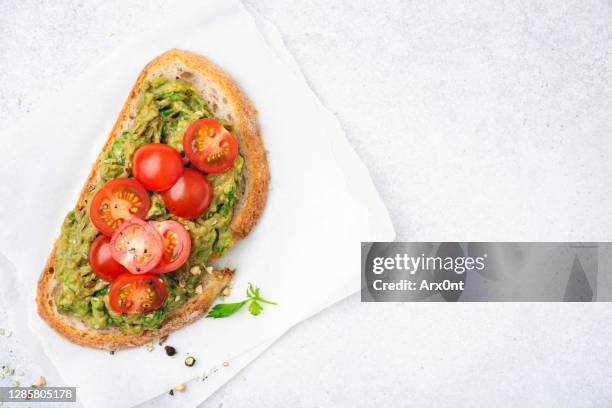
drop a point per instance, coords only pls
(137, 246)
(117, 201)
(177, 245)
(101, 260)
(157, 166)
(209, 146)
(130, 293)
(190, 196)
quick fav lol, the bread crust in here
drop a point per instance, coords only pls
(113, 339)
(247, 211)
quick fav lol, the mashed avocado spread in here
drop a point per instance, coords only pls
(164, 110)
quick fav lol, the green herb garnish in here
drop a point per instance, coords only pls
(228, 309)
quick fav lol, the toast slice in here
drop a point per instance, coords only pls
(227, 102)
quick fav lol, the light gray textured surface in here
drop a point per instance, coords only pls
(478, 121)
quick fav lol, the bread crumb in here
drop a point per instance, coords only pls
(195, 270)
(198, 289)
(40, 381)
(226, 292)
(181, 388)
(226, 364)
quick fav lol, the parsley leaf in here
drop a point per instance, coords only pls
(253, 298)
(255, 308)
(225, 309)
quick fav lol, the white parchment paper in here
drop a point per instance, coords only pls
(304, 253)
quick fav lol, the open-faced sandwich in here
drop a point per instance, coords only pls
(182, 177)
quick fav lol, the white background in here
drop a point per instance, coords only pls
(479, 121)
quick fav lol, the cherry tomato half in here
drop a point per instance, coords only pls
(117, 201)
(190, 196)
(102, 262)
(137, 293)
(177, 245)
(137, 246)
(209, 146)
(157, 166)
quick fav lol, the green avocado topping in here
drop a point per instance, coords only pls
(164, 110)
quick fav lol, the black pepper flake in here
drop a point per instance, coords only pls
(112, 352)
(171, 392)
(170, 350)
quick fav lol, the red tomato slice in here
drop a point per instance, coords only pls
(157, 166)
(101, 260)
(137, 293)
(177, 245)
(116, 202)
(209, 146)
(137, 246)
(190, 196)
